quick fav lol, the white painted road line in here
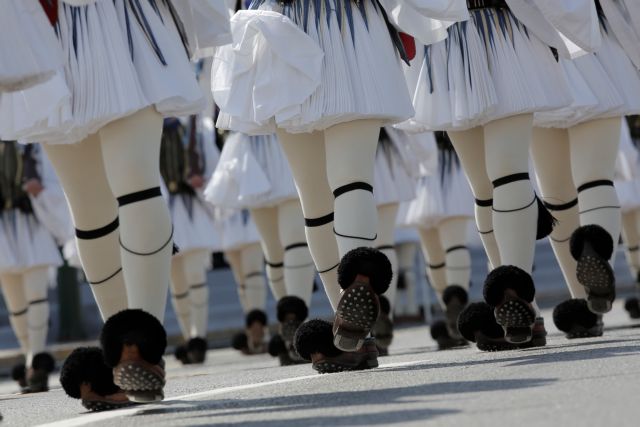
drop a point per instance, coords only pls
(107, 415)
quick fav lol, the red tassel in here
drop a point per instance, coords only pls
(51, 10)
(409, 44)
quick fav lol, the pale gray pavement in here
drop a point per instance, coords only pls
(587, 382)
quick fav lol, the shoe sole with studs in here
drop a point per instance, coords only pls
(517, 319)
(355, 317)
(596, 275)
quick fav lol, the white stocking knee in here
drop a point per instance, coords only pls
(307, 158)
(469, 146)
(594, 148)
(385, 243)
(17, 305)
(255, 286)
(266, 220)
(35, 282)
(299, 269)
(131, 151)
(434, 257)
(350, 150)
(515, 210)
(94, 209)
(453, 235)
(179, 290)
(551, 156)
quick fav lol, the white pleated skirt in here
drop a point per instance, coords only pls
(237, 230)
(252, 172)
(490, 67)
(29, 52)
(25, 243)
(392, 182)
(327, 63)
(120, 57)
(444, 195)
(193, 224)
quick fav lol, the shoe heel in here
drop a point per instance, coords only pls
(346, 342)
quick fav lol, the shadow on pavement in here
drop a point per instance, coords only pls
(361, 402)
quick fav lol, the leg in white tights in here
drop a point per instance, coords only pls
(131, 149)
(179, 289)
(469, 146)
(255, 286)
(594, 148)
(515, 211)
(631, 236)
(435, 258)
(35, 281)
(266, 220)
(351, 150)
(406, 267)
(299, 269)
(385, 243)
(16, 301)
(551, 157)
(94, 209)
(453, 236)
(307, 159)
(235, 262)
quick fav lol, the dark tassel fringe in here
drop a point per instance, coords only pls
(546, 221)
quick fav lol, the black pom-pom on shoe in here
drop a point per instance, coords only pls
(180, 354)
(240, 341)
(292, 305)
(508, 277)
(574, 318)
(455, 299)
(276, 346)
(592, 248)
(510, 291)
(385, 305)
(632, 306)
(256, 315)
(315, 336)
(477, 324)
(367, 262)
(19, 372)
(440, 334)
(197, 350)
(86, 365)
(595, 236)
(43, 362)
(133, 327)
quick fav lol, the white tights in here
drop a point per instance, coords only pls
(120, 160)
(285, 249)
(189, 292)
(25, 294)
(497, 150)
(385, 243)
(565, 160)
(333, 171)
(246, 265)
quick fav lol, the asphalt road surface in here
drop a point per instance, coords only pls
(584, 382)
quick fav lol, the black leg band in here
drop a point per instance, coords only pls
(524, 176)
(253, 274)
(148, 253)
(180, 296)
(19, 313)
(99, 282)
(139, 196)
(197, 286)
(633, 248)
(436, 266)
(456, 248)
(385, 247)
(352, 187)
(38, 301)
(98, 232)
(274, 264)
(593, 184)
(295, 246)
(328, 269)
(484, 203)
(560, 207)
(367, 239)
(318, 222)
(485, 232)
